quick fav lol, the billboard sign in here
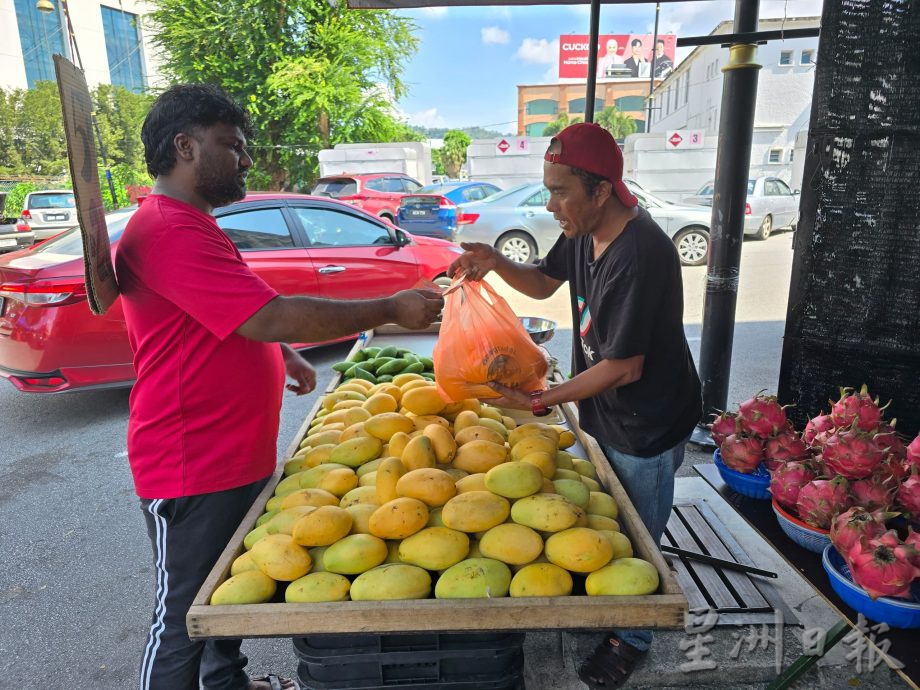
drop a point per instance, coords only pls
(620, 56)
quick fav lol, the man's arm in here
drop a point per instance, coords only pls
(310, 319)
(481, 258)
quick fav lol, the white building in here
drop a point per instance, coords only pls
(690, 98)
(113, 39)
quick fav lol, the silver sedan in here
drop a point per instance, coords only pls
(770, 205)
(517, 223)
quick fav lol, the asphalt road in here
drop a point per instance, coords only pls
(76, 583)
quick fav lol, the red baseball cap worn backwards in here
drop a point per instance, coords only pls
(591, 147)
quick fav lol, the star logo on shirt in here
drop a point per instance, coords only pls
(589, 353)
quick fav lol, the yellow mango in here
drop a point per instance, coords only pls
(464, 419)
(249, 587)
(356, 430)
(366, 385)
(412, 385)
(242, 563)
(380, 403)
(339, 482)
(474, 511)
(387, 424)
(509, 422)
(434, 518)
(423, 421)
(353, 386)
(393, 551)
(533, 444)
(336, 426)
(354, 554)
(456, 474)
(293, 466)
(532, 429)
(541, 580)
(346, 404)
(497, 427)
(579, 550)
(514, 479)
(442, 441)
(543, 462)
(274, 503)
(418, 453)
(371, 466)
(478, 433)
(333, 418)
(399, 518)
(360, 494)
(582, 520)
(311, 478)
(584, 467)
(398, 443)
(402, 379)
(322, 527)
(544, 512)
(592, 484)
(288, 484)
(353, 416)
(573, 489)
(564, 460)
(356, 451)
(566, 439)
(479, 456)
(472, 482)
(602, 522)
(317, 587)
(279, 557)
(321, 438)
(511, 543)
(623, 577)
(368, 479)
(489, 412)
(284, 521)
(309, 497)
(265, 517)
(361, 516)
(567, 474)
(388, 474)
(391, 581)
(434, 548)
(423, 400)
(393, 391)
(316, 553)
(332, 399)
(431, 486)
(317, 455)
(548, 487)
(474, 578)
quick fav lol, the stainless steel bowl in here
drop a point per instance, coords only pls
(539, 329)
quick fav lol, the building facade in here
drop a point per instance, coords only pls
(113, 39)
(540, 104)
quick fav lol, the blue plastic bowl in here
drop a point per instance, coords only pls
(755, 485)
(898, 613)
(801, 533)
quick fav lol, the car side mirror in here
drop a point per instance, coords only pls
(402, 239)
(797, 191)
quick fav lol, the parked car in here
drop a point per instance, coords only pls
(15, 235)
(48, 212)
(770, 206)
(432, 210)
(517, 223)
(50, 342)
(377, 193)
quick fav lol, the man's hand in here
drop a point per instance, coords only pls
(476, 261)
(300, 370)
(416, 309)
(513, 398)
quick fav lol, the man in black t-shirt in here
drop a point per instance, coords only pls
(637, 388)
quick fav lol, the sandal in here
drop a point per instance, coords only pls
(276, 682)
(610, 665)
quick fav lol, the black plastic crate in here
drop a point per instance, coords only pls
(418, 661)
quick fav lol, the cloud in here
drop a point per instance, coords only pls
(494, 34)
(538, 51)
(427, 118)
(697, 18)
(503, 13)
(434, 12)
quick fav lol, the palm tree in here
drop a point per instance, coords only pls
(560, 123)
(619, 124)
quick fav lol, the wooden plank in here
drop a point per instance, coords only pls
(695, 598)
(751, 597)
(708, 576)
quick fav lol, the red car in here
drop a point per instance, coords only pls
(51, 342)
(377, 193)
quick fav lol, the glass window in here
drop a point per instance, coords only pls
(791, 155)
(70, 242)
(686, 87)
(123, 49)
(808, 57)
(41, 36)
(542, 106)
(785, 57)
(535, 129)
(782, 188)
(776, 155)
(541, 198)
(474, 193)
(630, 103)
(770, 188)
(335, 188)
(328, 228)
(393, 185)
(378, 184)
(751, 185)
(263, 228)
(577, 105)
(51, 201)
(410, 186)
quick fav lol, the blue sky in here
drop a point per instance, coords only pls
(472, 58)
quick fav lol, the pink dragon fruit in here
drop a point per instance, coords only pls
(821, 424)
(723, 425)
(786, 445)
(859, 407)
(762, 415)
(742, 453)
(913, 542)
(888, 439)
(856, 523)
(821, 499)
(787, 480)
(881, 569)
(908, 496)
(913, 452)
(872, 493)
(851, 453)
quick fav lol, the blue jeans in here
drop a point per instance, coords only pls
(649, 482)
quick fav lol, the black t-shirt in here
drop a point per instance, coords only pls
(630, 302)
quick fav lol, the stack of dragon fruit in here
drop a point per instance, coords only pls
(847, 472)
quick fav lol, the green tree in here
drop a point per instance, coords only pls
(559, 124)
(453, 153)
(619, 124)
(120, 114)
(436, 165)
(38, 130)
(312, 73)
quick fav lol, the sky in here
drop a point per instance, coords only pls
(471, 59)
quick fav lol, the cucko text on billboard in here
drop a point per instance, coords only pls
(619, 56)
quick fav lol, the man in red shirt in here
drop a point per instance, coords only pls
(205, 332)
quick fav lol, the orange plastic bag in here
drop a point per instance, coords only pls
(481, 340)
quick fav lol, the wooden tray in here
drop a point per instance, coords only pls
(664, 609)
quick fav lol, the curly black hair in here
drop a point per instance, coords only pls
(184, 108)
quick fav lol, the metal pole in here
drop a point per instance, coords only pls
(651, 79)
(733, 159)
(592, 59)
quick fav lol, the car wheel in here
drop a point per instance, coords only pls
(766, 227)
(387, 216)
(692, 246)
(517, 247)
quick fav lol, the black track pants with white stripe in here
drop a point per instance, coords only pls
(188, 535)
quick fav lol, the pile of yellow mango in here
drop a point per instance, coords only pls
(392, 487)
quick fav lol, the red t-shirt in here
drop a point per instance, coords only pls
(205, 408)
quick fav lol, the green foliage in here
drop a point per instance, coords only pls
(315, 75)
(559, 124)
(619, 124)
(15, 199)
(123, 176)
(453, 153)
(474, 132)
(437, 166)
